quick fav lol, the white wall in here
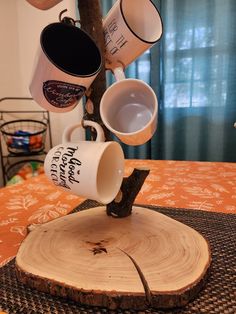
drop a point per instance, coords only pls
(20, 28)
(9, 57)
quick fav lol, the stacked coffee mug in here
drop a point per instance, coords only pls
(128, 108)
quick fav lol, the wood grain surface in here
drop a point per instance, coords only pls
(144, 259)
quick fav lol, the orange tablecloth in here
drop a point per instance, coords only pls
(209, 186)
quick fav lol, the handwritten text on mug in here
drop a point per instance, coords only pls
(112, 45)
(62, 94)
(64, 167)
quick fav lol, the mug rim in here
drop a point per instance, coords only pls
(154, 115)
(61, 68)
(143, 40)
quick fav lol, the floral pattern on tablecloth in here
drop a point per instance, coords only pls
(209, 186)
(34, 201)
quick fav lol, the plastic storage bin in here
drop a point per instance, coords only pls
(24, 137)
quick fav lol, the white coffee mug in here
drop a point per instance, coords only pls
(129, 109)
(93, 170)
(67, 63)
(43, 4)
(130, 28)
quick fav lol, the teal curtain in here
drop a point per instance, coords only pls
(192, 69)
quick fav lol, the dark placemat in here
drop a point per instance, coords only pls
(218, 295)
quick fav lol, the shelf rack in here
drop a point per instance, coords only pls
(9, 158)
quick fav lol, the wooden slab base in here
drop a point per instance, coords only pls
(146, 259)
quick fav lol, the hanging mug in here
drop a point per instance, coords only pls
(43, 4)
(130, 28)
(91, 169)
(67, 63)
(129, 109)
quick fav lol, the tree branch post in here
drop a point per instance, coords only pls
(91, 22)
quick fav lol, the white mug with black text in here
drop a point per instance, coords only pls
(91, 169)
(130, 28)
(68, 61)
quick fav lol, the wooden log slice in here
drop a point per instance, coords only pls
(146, 259)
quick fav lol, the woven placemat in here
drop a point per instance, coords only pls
(217, 297)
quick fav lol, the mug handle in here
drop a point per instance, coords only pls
(119, 73)
(66, 136)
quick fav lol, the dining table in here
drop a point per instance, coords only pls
(201, 194)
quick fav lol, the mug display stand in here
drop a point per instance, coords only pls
(119, 255)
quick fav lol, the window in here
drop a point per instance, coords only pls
(196, 54)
